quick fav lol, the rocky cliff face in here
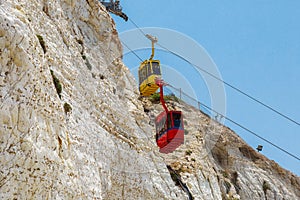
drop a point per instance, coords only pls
(72, 127)
(215, 163)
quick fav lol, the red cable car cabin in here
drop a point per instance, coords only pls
(169, 126)
(169, 131)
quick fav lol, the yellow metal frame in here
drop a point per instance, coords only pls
(148, 86)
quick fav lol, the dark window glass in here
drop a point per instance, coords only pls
(177, 120)
(161, 126)
(142, 73)
(156, 68)
(145, 73)
(149, 71)
(140, 76)
(169, 121)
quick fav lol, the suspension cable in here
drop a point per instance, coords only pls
(224, 82)
(239, 125)
(132, 51)
(229, 119)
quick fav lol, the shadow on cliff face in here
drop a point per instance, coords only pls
(249, 153)
(221, 155)
(225, 160)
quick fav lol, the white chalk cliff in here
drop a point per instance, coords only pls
(72, 125)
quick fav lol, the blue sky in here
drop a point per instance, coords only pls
(255, 46)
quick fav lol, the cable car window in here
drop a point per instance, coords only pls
(169, 121)
(160, 124)
(140, 76)
(177, 120)
(145, 73)
(156, 68)
(142, 73)
(149, 71)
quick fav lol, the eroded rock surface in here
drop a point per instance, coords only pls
(215, 163)
(97, 148)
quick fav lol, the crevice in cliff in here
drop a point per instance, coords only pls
(56, 83)
(42, 43)
(178, 182)
(46, 9)
(234, 181)
(67, 108)
(229, 180)
(82, 52)
(59, 146)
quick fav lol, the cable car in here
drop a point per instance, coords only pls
(169, 127)
(149, 71)
(169, 131)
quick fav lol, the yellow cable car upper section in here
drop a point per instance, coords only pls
(149, 71)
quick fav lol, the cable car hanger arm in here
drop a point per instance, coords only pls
(160, 83)
(153, 40)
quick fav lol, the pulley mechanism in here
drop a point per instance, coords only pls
(115, 8)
